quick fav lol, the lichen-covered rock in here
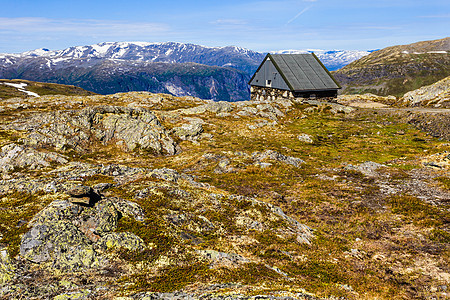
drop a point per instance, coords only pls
(213, 107)
(60, 243)
(98, 220)
(77, 295)
(129, 209)
(188, 131)
(76, 129)
(56, 211)
(7, 267)
(15, 156)
(368, 168)
(121, 240)
(259, 157)
(306, 138)
(64, 234)
(222, 258)
(435, 95)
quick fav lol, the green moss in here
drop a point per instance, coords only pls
(444, 182)
(98, 178)
(7, 136)
(440, 236)
(153, 232)
(320, 271)
(18, 207)
(416, 210)
(250, 273)
(171, 278)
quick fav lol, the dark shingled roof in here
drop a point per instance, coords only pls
(303, 72)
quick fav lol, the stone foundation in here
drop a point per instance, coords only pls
(259, 93)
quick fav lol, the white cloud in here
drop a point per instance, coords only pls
(79, 27)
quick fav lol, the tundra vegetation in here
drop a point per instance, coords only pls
(140, 194)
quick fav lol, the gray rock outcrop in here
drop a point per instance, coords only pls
(129, 128)
(16, 156)
(260, 157)
(69, 236)
(435, 95)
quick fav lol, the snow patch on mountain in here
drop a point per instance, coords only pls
(172, 52)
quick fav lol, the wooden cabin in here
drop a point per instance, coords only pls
(292, 76)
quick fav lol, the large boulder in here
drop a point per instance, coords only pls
(60, 243)
(129, 128)
(68, 235)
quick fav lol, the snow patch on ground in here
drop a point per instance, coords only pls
(21, 88)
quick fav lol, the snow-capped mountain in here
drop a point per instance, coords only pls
(170, 52)
(334, 59)
(219, 73)
(231, 56)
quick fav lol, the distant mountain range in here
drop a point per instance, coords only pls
(218, 73)
(398, 69)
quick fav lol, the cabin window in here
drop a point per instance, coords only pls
(268, 82)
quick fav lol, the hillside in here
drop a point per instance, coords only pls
(150, 196)
(108, 76)
(21, 88)
(398, 69)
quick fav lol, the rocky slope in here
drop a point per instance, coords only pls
(434, 95)
(398, 69)
(149, 196)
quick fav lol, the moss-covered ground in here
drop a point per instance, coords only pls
(369, 243)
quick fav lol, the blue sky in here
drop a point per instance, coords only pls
(254, 24)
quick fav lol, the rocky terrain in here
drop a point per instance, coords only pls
(150, 196)
(434, 95)
(398, 69)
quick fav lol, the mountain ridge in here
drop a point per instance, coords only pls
(398, 69)
(222, 73)
(246, 60)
